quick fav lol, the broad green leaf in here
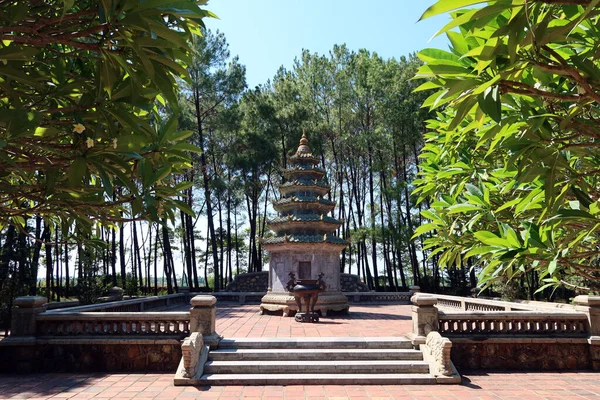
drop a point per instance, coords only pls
(442, 6)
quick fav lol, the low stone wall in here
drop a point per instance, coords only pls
(250, 282)
(90, 356)
(239, 297)
(259, 282)
(488, 334)
(352, 284)
(518, 354)
(76, 341)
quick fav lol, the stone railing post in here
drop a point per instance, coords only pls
(414, 289)
(203, 316)
(25, 310)
(590, 305)
(424, 317)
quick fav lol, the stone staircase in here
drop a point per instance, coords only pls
(303, 361)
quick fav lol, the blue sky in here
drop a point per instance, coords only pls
(266, 34)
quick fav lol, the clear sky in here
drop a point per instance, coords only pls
(266, 34)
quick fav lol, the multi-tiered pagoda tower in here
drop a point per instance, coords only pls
(304, 246)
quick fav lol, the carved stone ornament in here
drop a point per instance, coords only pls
(190, 350)
(438, 349)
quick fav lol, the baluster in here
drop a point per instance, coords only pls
(570, 326)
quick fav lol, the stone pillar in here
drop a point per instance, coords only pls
(115, 293)
(203, 316)
(591, 306)
(25, 310)
(184, 289)
(414, 289)
(424, 317)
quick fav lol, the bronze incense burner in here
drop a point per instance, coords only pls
(307, 289)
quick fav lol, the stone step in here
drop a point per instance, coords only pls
(314, 379)
(316, 367)
(317, 343)
(313, 354)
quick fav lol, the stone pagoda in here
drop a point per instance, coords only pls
(305, 246)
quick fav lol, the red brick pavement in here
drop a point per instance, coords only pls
(362, 321)
(245, 321)
(484, 386)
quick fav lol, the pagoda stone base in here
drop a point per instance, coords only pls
(328, 301)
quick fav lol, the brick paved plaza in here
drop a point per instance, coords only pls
(244, 321)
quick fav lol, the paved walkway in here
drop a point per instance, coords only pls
(245, 321)
(363, 321)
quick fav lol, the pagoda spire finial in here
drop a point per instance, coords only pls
(303, 148)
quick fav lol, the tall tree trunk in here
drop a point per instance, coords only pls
(122, 256)
(412, 250)
(49, 284)
(113, 258)
(372, 215)
(187, 254)
(384, 237)
(206, 262)
(206, 181)
(67, 276)
(57, 264)
(237, 245)
(156, 241)
(37, 247)
(136, 247)
(167, 257)
(228, 205)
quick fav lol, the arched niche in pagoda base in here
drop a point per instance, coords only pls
(304, 243)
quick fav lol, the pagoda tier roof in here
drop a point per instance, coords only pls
(305, 218)
(306, 228)
(315, 222)
(303, 199)
(304, 157)
(303, 169)
(330, 239)
(319, 188)
(305, 182)
(317, 206)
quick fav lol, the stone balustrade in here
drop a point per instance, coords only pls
(530, 323)
(104, 340)
(379, 297)
(133, 305)
(474, 304)
(113, 323)
(490, 334)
